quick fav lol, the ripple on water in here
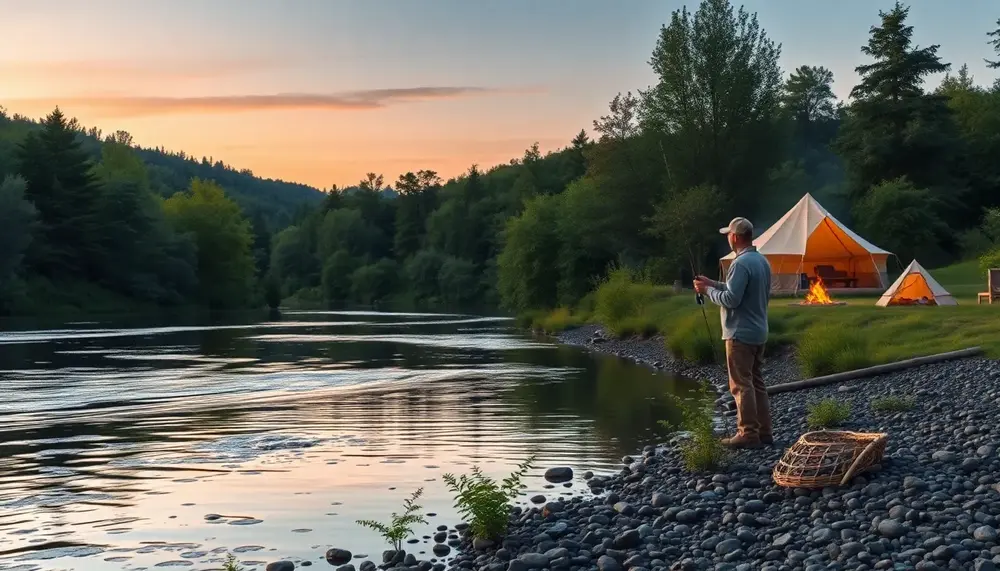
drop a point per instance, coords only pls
(174, 563)
(246, 521)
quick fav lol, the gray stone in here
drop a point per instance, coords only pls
(280, 566)
(534, 560)
(561, 474)
(891, 528)
(338, 557)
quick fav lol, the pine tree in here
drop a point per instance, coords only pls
(63, 189)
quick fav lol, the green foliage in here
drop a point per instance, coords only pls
(681, 220)
(17, 225)
(893, 404)
(374, 282)
(556, 321)
(338, 270)
(715, 101)
(893, 128)
(702, 451)
(827, 413)
(231, 563)
(902, 219)
(826, 349)
(484, 502)
(529, 255)
(989, 260)
(622, 295)
(690, 340)
(718, 134)
(222, 235)
(400, 526)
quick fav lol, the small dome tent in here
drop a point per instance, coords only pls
(808, 242)
(916, 286)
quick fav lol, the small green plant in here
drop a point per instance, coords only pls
(231, 563)
(483, 502)
(400, 526)
(701, 452)
(893, 404)
(828, 413)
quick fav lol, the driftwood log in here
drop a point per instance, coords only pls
(872, 371)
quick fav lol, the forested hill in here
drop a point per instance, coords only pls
(276, 201)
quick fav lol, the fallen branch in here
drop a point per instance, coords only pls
(872, 371)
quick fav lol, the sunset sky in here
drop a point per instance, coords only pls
(322, 91)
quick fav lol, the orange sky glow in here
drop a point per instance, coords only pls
(324, 92)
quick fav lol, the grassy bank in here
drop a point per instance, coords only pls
(827, 339)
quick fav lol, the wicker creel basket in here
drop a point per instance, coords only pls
(828, 458)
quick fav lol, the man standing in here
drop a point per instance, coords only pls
(743, 300)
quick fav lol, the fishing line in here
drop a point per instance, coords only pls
(708, 329)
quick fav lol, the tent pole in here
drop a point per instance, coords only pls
(881, 282)
(798, 273)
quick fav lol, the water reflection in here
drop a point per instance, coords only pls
(119, 441)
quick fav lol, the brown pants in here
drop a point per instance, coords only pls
(753, 409)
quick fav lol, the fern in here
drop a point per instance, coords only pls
(401, 525)
(231, 563)
(483, 502)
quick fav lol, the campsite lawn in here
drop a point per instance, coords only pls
(827, 339)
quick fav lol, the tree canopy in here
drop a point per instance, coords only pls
(721, 132)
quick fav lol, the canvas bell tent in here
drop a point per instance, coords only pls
(808, 242)
(916, 286)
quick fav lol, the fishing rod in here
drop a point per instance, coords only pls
(708, 329)
(699, 298)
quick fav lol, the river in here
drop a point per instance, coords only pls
(120, 437)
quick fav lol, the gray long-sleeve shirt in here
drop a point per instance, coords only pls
(743, 298)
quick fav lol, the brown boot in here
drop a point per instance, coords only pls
(741, 441)
(767, 440)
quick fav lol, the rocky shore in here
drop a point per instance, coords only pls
(933, 503)
(652, 352)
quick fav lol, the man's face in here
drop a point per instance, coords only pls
(732, 241)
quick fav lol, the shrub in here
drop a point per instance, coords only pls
(701, 452)
(688, 339)
(557, 320)
(399, 527)
(622, 297)
(827, 349)
(989, 260)
(828, 413)
(483, 502)
(893, 404)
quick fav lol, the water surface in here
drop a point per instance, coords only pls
(121, 441)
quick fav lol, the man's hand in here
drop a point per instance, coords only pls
(701, 284)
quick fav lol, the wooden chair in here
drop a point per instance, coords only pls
(992, 285)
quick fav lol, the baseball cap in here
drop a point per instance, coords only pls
(739, 226)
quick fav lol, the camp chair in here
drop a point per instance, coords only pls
(993, 285)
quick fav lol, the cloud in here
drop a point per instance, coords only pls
(119, 70)
(134, 106)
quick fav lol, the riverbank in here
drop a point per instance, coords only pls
(931, 504)
(818, 340)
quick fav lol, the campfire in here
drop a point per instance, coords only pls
(818, 294)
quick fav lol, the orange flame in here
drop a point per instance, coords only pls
(818, 294)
